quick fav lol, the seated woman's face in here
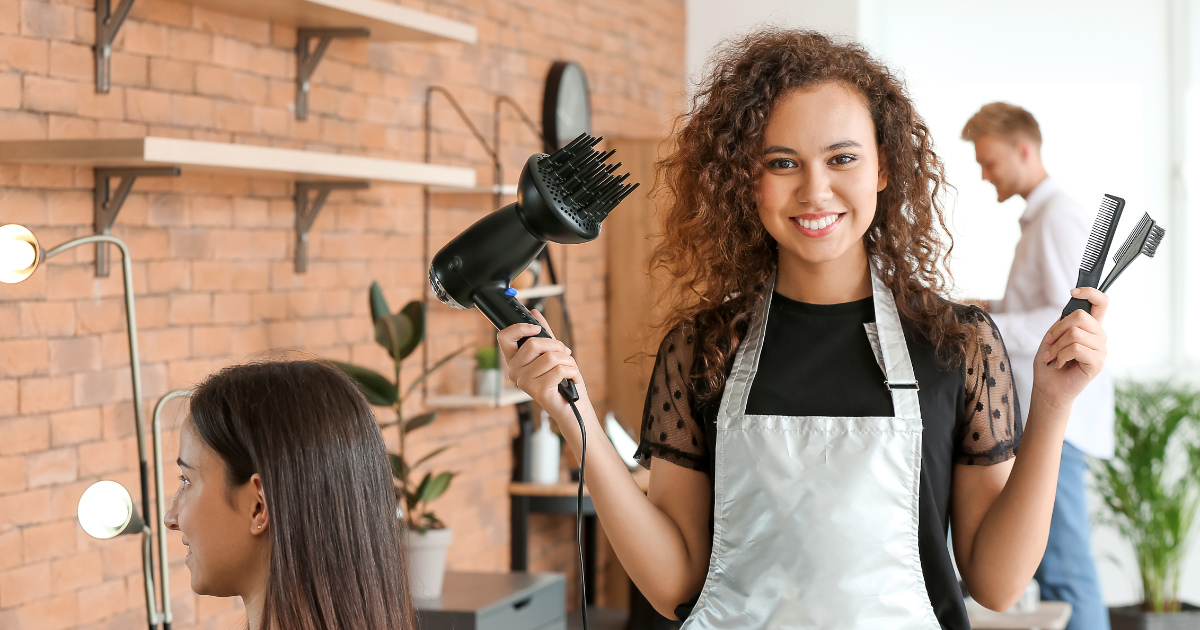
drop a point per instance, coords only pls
(227, 547)
(821, 173)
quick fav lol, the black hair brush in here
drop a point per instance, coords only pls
(1143, 240)
(562, 197)
(1097, 250)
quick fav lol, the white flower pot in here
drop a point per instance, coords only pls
(427, 561)
(487, 382)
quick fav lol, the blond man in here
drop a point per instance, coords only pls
(1054, 231)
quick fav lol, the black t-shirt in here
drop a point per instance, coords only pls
(817, 361)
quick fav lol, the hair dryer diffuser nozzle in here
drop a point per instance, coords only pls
(565, 196)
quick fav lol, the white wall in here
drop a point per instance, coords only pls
(1096, 74)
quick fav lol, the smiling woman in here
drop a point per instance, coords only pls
(286, 500)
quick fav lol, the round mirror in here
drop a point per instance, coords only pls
(106, 511)
(566, 105)
(19, 253)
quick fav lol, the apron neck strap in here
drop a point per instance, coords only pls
(898, 369)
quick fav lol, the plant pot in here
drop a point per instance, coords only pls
(427, 561)
(1133, 618)
(487, 382)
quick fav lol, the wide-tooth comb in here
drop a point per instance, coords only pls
(1143, 240)
(586, 181)
(1097, 250)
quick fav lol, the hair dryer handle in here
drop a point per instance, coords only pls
(501, 306)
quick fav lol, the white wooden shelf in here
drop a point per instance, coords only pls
(503, 189)
(540, 291)
(386, 20)
(507, 397)
(230, 158)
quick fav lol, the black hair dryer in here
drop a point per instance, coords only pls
(562, 198)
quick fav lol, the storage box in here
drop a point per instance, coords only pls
(497, 601)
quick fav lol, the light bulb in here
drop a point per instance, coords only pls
(105, 509)
(16, 255)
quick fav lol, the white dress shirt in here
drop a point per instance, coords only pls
(1054, 232)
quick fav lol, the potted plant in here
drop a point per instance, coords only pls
(487, 371)
(425, 536)
(1151, 489)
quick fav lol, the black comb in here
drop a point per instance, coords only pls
(1097, 250)
(1143, 240)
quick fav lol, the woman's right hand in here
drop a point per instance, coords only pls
(539, 365)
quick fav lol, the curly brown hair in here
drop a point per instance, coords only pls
(715, 250)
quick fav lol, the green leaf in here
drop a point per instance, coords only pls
(393, 332)
(412, 424)
(414, 313)
(436, 366)
(378, 389)
(436, 487)
(486, 358)
(421, 487)
(379, 305)
(399, 467)
(431, 455)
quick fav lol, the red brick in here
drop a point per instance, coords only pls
(153, 107)
(24, 55)
(53, 540)
(12, 475)
(10, 91)
(231, 308)
(95, 388)
(164, 345)
(8, 397)
(191, 45)
(24, 584)
(39, 395)
(214, 81)
(51, 467)
(24, 435)
(208, 341)
(103, 601)
(24, 508)
(10, 17)
(72, 61)
(99, 316)
(271, 121)
(193, 308)
(70, 128)
(75, 426)
(235, 117)
(169, 275)
(22, 126)
(99, 458)
(74, 354)
(73, 573)
(43, 20)
(24, 357)
(93, 104)
(130, 70)
(167, 12)
(51, 614)
(143, 38)
(49, 95)
(193, 111)
(172, 76)
(11, 551)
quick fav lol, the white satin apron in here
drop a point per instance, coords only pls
(815, 518)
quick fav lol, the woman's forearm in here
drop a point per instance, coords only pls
(1011, 539)
(648, 543)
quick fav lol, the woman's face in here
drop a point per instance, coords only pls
(821, 174)
(224, 528)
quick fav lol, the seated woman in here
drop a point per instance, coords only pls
(286, 500)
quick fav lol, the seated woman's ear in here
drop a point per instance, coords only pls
(255, 501)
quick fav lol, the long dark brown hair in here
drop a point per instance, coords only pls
(716, 253)
(336, 560)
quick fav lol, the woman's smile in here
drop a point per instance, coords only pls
(818, 225)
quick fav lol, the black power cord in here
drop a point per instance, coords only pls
(568, 391)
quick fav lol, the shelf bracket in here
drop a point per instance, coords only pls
(308, 58)
(108, 22)
(106, 203)
(306, 212)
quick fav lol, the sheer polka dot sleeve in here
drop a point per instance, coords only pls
(990, 429)
(670, 430)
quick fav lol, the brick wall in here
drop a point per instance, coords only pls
(213, 274)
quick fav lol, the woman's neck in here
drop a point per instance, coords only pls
(254, 608)
(838, 281)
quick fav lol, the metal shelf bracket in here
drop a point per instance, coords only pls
(308, 58)
(307, 210)
(106, 203)
(108, 22)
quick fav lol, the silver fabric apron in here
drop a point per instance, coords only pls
(815, 520)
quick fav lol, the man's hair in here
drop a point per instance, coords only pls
(1005, 121)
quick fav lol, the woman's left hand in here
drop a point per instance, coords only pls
(1072, 352)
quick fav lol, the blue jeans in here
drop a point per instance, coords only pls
(1068, 573)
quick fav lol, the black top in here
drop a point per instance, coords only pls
(817, 361)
